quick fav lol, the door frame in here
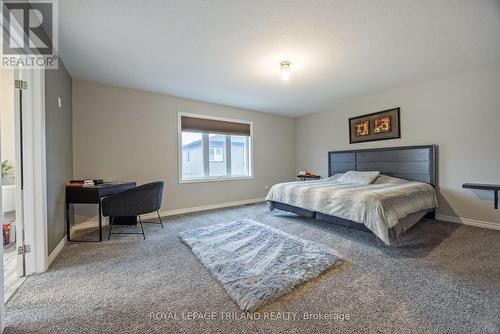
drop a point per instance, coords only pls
(35, 176)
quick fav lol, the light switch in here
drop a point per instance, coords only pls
(59, 103)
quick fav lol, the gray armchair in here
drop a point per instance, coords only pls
(134, 202)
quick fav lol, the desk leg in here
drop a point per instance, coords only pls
(68, 226)
(496, 199)
(100, 222)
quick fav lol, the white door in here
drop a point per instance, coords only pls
(28, 121)
(20, 120)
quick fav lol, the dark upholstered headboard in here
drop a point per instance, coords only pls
(414, 163)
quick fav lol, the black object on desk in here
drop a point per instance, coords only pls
(94, 195)
(482, 186)
(308, 177)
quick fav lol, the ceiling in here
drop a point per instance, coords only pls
(228, 52)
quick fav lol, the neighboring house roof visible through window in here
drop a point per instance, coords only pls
(217, 141)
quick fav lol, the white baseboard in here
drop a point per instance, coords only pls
(472, 222)
(56, 251)
(94, 221)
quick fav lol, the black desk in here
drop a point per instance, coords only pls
(92, 196)
(482, 186)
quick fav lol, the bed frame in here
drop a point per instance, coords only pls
(413, 163)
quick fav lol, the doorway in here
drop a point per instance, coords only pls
(11, 159)
(22, 91)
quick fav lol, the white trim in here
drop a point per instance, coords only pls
(471, 222)
(34, 203)
(20, 205)
(31, 203)
(40, 245)
(217, 179)
(227, 144)
(205, 208)
(94, 222)
(56, 251)
(205, 142)
(210, 179)
(91, 223)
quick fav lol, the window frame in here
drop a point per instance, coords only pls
(227, 156)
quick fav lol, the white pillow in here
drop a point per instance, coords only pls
(335, 177)
(362, 178)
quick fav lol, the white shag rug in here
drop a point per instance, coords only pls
(256, 263)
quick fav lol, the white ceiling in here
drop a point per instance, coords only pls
(228, 52)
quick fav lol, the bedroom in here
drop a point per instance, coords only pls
(228, 106)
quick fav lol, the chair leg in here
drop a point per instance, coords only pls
(142, 228)
(159, 218)
(110, 226)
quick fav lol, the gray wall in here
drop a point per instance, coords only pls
(460, 113)
(124, 134)
(59, 149)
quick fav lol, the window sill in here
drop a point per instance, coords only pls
(217, 179)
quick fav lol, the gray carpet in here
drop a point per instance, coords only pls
(442, 278)
(256, 263)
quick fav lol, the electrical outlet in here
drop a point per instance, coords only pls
(266, 187)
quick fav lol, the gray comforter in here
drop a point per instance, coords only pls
(379, 205)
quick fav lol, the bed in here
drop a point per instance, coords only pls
(400, 196)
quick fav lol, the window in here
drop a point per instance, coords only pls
(215, 154)
(216, 164)
(213, 148)
(240, 155)
(192, 156)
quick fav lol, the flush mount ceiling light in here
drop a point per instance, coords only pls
(285, 70)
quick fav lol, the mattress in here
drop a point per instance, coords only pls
(379, 206)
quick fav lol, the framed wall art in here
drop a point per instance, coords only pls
(381, 125)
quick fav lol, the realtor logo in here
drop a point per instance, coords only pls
(29, 34)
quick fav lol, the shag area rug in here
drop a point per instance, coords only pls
(256, 263)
